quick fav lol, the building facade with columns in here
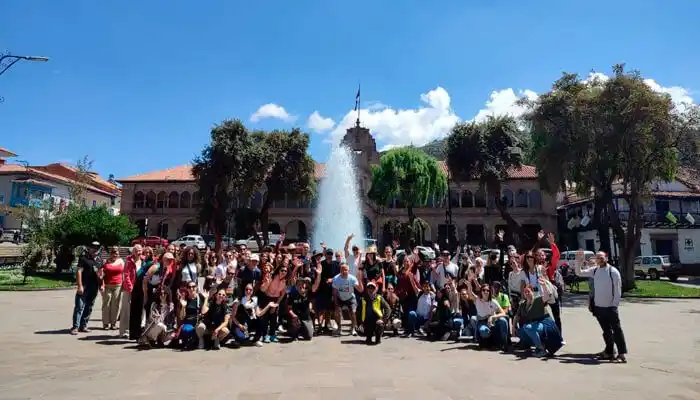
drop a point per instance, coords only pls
(163, 203)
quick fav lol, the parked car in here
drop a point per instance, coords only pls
(150, 241)
(226, 241)
(8, 235)
(653, 266)
(191, 241)
(568, 257)
(252, 245)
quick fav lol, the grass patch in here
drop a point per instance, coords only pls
(13, 280)
(658, 289)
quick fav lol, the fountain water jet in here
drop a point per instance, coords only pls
(339, 211)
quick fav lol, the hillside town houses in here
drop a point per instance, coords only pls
(23, 184)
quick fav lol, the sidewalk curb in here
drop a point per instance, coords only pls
(19, 289)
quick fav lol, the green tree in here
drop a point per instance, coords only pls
(486, 152)
(410, 175)
(612, 138)
(290, 171)
(240, 163)
(80, 225)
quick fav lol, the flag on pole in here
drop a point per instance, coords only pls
(671, 217)
(357, 99)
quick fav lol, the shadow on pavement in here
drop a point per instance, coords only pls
(574, 358)
(98, 337)
(353, 341)
(115, 342)
(53, 332)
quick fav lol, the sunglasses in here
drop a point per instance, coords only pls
(248, 289)
(221, 295)
(192, 287)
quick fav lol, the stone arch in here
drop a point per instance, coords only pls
(162, 199)
(190, 227)
(139, 200)
(467, 198)
(274, 227)
(521, 198)
(173, 199)
(295, 230)
(507, 195)
(151, 199)
(367, 226)
(196, 199)
(535, 199)
(480, 199)
(185, 200)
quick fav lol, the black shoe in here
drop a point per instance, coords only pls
(378, 339)
(215, 345)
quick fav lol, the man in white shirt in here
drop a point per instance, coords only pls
(424, 310)
(607, 291)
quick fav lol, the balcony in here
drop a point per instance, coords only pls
(657, 219)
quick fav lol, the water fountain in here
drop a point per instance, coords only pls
(338, 212)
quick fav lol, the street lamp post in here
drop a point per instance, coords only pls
(17, 58)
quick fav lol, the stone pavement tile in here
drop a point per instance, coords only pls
(662, 336)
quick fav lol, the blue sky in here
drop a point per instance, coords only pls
(136, 86)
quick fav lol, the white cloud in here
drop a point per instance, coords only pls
(435, 118)
(318, 123)
(272, 110)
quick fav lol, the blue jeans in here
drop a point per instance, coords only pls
(414, 321)
(83, 307)
(499, 329)
(458, 325)
(529, 334)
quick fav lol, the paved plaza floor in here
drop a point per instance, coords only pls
(40, 360)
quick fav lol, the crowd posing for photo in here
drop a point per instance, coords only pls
(506, 300)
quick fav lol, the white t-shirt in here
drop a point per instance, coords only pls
(189, 273)
(485, 309)
(220, 271)
(345, 286)
(426, 302)
(250, 305)
(532, 279)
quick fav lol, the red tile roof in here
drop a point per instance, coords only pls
(183, 173)
(7, 169)
(6, 153)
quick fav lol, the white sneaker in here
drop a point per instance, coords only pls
(201, 345)
(353, 332)
(258, 343)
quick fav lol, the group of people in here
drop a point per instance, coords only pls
(154, 297)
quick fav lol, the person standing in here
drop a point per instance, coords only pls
(133, 264)
(111, 288)
(88, 285)
(607, 291)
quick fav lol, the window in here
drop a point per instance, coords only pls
(646, 260)
(2, 199)
(521, 198)
(94, 203)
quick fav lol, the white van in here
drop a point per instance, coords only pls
(568, 257)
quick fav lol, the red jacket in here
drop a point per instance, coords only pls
(129, 275)
(552, 267)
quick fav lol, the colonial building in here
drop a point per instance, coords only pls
(671, 220)
(163, 203)
(34, 185)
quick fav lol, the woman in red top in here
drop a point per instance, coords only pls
(133, 264)
(111, 288)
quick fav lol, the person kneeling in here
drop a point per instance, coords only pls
(299, 309)
(374, 308)
(216, 315)
(537, 328)
(156, 330)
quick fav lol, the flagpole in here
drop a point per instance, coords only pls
(358, 105)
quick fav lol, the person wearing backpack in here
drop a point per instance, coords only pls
(607, 291)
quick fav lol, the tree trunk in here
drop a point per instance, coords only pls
(602, 221)
(264, 217)
(409, 237)
(64, 259)
(520, 236)
(625, 243)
